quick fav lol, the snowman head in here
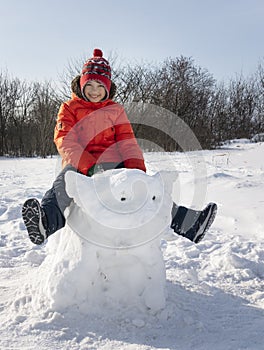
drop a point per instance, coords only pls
(120, 207)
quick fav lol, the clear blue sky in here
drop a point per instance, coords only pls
(39, 37)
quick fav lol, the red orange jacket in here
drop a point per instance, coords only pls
(87, 133)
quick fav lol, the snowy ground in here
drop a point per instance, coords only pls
(215, 290)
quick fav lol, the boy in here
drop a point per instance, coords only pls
(93, 134)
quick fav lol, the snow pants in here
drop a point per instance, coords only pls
(56, 199)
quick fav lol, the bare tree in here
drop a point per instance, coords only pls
(18, 139)
(241, 107)
(258, 119)
(43, 116)
(9, 96)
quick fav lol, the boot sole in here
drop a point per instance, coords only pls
(207, 223)
(31, 214)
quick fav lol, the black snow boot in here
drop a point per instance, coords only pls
(35, 221)
(193, 224)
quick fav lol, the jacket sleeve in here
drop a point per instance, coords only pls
(66, 140)
(127, 144)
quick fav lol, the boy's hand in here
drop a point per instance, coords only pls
(95, 169)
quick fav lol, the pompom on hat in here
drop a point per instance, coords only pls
(96, 68)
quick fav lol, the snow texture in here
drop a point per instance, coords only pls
(116, 277)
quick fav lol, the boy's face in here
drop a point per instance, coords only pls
(94, 91)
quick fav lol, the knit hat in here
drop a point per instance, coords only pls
(96, 68)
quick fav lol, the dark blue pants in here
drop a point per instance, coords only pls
(55, 201)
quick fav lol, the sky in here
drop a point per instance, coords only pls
(40, 38)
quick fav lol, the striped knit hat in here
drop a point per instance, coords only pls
(96, 68)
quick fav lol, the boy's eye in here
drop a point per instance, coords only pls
(99, 85)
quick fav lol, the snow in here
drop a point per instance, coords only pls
(137, 290)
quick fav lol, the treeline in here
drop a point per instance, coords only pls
(214, 111)
(27, 117)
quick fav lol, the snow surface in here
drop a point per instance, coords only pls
(104, 293)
